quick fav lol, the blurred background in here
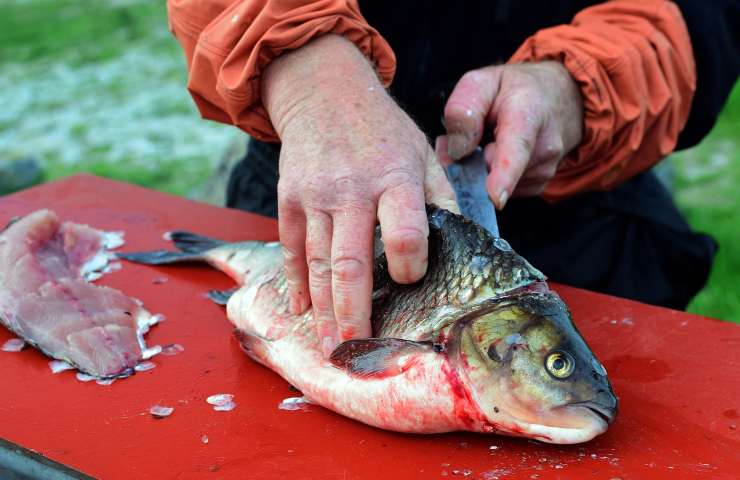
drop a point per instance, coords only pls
(98, 86)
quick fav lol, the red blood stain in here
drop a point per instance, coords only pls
(348, 332)
(465, 407)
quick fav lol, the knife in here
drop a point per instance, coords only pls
(468, 180)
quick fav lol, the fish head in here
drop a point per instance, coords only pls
(530, 372)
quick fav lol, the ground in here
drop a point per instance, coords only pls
(99, 86)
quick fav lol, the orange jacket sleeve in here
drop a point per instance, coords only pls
(228, 43)
(634, 65)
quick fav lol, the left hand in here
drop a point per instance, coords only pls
(536, 111)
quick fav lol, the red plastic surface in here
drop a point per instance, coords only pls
(677, 377)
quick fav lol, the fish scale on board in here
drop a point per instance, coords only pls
(479, 344)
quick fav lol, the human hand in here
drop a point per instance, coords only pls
(349, 156)
(536, 111)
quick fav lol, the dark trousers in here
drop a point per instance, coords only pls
(630, 242)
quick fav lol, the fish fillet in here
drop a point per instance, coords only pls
(46, 299)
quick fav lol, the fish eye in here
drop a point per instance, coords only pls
(560, 364)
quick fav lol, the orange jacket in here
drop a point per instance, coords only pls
(632, 60)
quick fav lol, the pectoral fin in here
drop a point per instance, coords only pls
(378, 357)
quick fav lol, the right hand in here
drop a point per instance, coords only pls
(350, 156)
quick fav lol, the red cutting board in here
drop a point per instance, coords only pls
(677, 377)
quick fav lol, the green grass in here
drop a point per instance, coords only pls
(77, 30)
(708, 192)
(98, 86)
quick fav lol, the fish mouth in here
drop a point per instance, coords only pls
(605, 413)
(579, 422)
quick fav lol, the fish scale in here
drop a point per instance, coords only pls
(449, 273)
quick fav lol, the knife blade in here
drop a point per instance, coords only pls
(468, 180)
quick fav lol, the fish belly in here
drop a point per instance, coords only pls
(421, 396)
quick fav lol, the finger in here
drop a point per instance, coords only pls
(545, 160)
(529, 189)
(467, 108)
(351, 266)
(292, 227)
(318, 254)
(535, 179)
(437, 189)
(440, 149)
(516, 136)
(404, 227)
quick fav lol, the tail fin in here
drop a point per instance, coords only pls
(161, 257)
(194, 243)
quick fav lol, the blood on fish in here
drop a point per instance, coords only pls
(463, 402)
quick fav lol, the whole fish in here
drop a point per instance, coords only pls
(479, 344)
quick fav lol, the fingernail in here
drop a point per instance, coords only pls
(450, 205)
(457, 144)
(502, 198)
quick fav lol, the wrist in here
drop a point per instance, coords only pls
(323, 74)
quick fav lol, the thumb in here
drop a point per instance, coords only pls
(436, 186)
(467, 108)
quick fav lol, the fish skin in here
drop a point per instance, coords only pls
(462, 349)
(47, 301)
(465, 266)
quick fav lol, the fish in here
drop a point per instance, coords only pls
(46, 298)
(479, 344)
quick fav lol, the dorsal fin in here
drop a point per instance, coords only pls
(193, 243)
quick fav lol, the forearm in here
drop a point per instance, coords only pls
(229, 45)
(328, 73)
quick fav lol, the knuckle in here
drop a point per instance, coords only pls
(474, 77)
(549, 154)
(524, 144)
(287, 192)
(292, 258)
(319, 269)
(346, 186)
(399, 176)
(348, 269)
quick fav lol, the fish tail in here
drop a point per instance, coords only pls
(161, 257)
(193, 243)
